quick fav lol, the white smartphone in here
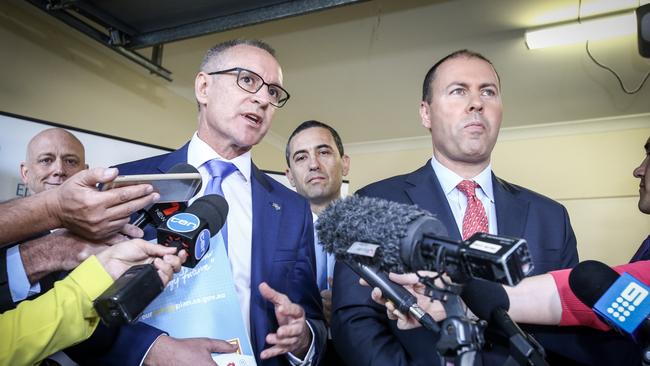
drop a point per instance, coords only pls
(174, 187)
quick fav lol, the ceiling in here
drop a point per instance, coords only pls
(360, 67)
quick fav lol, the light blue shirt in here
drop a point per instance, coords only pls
(19, 285)
(457, 199)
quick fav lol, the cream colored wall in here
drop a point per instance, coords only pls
(53, 73)
(591, 174)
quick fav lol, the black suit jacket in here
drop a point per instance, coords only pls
(363, 334)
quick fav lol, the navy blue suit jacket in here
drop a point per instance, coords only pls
(358, 323)
(282, 256)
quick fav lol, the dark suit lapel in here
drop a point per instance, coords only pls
(511, 211)
(173, 158)
(427, 194)
(266, 214)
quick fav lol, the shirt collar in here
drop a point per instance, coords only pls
(199, 152)
(449, 180)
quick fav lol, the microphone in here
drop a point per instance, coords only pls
(191, 230)
(401, 238)
(621, 301)
(489, 301)
(157, 213)
(403, 300)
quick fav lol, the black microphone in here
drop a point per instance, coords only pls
(489, 301)
(157, 213)
(403, 300)
(621, 301)
(191, 230)
(401, 238)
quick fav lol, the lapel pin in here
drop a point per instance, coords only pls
(276, 206)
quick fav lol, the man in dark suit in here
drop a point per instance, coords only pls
(316, 165)
(461, 107)
(269, 227)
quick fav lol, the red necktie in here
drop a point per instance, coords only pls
(475, 219)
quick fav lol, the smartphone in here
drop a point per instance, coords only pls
(173, 187)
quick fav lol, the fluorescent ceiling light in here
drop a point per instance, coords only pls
(574, 32)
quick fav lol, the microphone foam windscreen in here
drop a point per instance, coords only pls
(589, 281)
(212, 208)
(186, 168)
(482, 297)
(369, 220)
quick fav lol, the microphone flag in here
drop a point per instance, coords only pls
(625, 303)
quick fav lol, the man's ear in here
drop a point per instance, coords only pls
(345, 161)
(201, 84)
(425, 115)
(23, 172)
(287, 172)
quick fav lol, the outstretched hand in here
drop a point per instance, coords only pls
(293, 334)
(94, 215)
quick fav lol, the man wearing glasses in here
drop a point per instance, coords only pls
(269, 236)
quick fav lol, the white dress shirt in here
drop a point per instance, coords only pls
(237, 191)
(457, 199)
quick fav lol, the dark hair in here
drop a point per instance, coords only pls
(311, 124)
(217, 49)
(428, 79)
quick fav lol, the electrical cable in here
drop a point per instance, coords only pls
(620, 81)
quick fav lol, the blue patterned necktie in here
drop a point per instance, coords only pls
(219, 170)
(644, 251)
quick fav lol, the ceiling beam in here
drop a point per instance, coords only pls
(112, 40)
(242, 19)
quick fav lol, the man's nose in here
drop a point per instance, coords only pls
(639, 171)
(58, 168)
(314, 164)
(475, 104)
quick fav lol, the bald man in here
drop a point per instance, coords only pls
(53, 155)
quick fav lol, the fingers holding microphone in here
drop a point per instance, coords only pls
(122, 256)
(169, 264)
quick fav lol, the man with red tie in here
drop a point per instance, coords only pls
(461, 107)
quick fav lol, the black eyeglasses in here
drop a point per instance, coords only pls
(251, 82)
